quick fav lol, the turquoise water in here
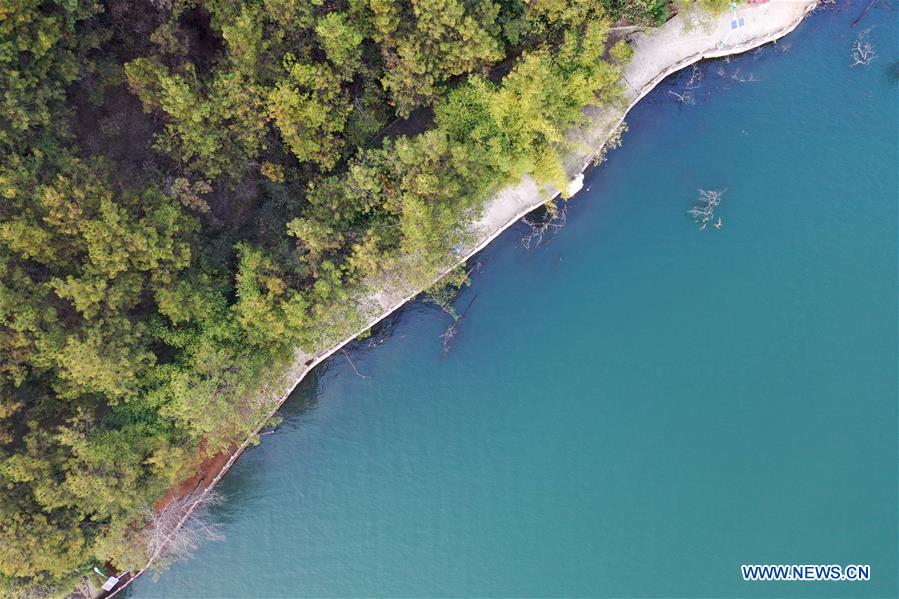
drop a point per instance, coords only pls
(636, 407)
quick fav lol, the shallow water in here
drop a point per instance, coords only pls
(636, 407)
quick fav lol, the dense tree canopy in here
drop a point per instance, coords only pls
(192, 189)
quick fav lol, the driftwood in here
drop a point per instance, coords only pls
(347, 356)
(863, 13)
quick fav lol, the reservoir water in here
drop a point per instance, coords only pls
(636, 407)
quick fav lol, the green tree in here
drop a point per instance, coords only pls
(310, 109)
(39, 57)
(212, 133)
(342, 42)
(149, 298)
(438, 40)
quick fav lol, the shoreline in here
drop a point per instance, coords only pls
(658, 53)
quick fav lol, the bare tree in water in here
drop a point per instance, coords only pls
(549, 223)
(743, 78)
(862, 50)
(685, 96)
(704, 210)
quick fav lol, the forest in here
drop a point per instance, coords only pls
(193, 189)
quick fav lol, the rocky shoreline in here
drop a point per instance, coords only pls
(679, 43)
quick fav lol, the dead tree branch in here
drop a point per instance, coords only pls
(684, 98)
(179, 528)
(552, 220)
(695, 79)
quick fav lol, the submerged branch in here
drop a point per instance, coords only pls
(553, 219)
(703, 212)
